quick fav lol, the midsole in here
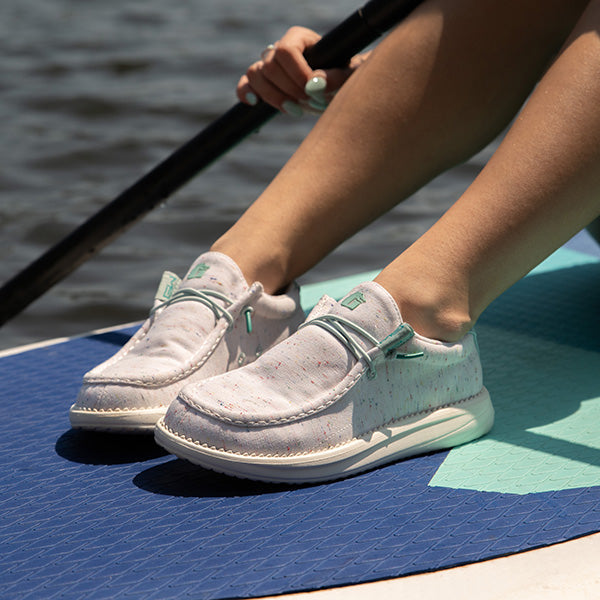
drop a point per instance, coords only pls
(116, 419)
(442, 428)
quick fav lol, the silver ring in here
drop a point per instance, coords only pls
(268, 49)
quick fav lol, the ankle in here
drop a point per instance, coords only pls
(434, 321)
(267, 268)
(430, 310)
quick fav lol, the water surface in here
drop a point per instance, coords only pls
(95, 93)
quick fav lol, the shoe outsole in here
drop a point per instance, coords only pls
(440, 429)
(116, 421)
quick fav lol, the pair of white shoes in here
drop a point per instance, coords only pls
(218, 372)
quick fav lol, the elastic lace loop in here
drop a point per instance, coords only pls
(399, 336)
(204, 297)
(248, 315)
(338, 327)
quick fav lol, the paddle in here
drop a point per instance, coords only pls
(334, 49)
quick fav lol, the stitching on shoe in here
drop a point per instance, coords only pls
(251, 294)
(290, 419)
(142, 382)
(121, 353)
(118, 409)
(345, 443)
(143, 332)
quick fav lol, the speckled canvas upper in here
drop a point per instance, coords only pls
(192, 339)
(311, 393)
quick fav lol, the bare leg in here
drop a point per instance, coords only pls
(435, 91)
(539, 189)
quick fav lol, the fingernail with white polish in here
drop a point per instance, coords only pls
(315, 87)
(291, 108)
(251, 99)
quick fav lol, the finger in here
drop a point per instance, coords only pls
(324, 84)
(269, 92)
(245, 93)
(289, 53)
(291, 61)
(281, 78)
(263, 87)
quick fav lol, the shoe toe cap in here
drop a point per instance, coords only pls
(187, 422)
(199, 421)
(114, 397)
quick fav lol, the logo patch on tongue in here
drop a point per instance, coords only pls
(198, 271)
(353, 300)
(168, 285)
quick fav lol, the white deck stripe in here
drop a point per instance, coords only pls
(60, 340)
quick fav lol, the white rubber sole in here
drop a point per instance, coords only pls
(442, 428)
(116, 421)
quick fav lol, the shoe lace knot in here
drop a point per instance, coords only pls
(342, 329)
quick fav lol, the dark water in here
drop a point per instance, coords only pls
(94, 93)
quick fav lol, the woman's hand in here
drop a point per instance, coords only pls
(283, 78)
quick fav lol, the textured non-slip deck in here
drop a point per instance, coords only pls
(104, 516)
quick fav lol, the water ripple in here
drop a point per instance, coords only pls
(96, 93)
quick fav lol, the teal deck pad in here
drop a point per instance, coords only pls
(105, 516)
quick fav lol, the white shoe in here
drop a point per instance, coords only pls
(354, 388)
(207, 324)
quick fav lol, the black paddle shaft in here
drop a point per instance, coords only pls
(333, 50)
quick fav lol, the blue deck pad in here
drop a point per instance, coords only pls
(105, 516)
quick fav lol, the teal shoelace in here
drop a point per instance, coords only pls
(341, 328)
(206, 297)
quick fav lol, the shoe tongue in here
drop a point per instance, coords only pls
(371, 307)
(218, 272)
